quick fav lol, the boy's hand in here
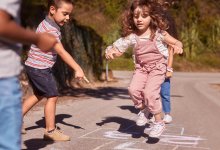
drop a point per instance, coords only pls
(45, 41)
(79, 74)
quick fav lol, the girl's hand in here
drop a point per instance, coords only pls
(169, 74)
(112, 53)
(177, 47)
(109, 55)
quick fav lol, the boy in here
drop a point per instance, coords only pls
(38, 67)
(10, 67)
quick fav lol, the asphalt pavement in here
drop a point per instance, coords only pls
(104, 118)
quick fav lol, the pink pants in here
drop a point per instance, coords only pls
(145, 86)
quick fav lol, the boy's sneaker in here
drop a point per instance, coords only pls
(157, 129)
(167, 118)
(142, 117)
(56, 135)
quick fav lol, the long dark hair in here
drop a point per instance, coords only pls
(156, 13)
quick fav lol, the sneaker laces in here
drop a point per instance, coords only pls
(156, 126)
(141, 114)
(59, 129)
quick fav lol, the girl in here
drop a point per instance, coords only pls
(143, 28)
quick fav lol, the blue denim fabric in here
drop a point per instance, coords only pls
(10, 114)
(165, 95)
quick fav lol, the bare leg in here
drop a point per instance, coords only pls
(49, 112)
(158, 117)
(29, 103)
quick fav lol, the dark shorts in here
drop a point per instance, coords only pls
(42, 81)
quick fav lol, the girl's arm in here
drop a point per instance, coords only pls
(119, 46)
(174, 43)
(111, 52)
(67, 58)
(169, 72)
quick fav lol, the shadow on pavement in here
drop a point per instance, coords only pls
(59, 119)
(36, 144)
(132, 109)
(178, 96)
(151, 140)
(106, 93)
(126, 126)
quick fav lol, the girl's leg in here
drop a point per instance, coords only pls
(136, 87)
(29, 103)
(152, 92)
(165, 96)
(153, 101)
(49, 112)
(136, 92)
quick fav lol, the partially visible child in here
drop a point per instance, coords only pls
(143, 29)
(165, 87)
(39, 67)
(10, 66)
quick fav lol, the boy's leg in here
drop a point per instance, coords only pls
(10, 114)
(49, 112)
(52, 132)
(29, 103)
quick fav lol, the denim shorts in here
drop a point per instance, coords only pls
(42, 82)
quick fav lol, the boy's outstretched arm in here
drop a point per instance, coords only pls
(174, 43)
(10, 31)
(68, 59)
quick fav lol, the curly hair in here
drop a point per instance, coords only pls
(156, 12)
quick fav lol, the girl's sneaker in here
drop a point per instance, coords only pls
(142, 117)
(167, 118)
(157, 129)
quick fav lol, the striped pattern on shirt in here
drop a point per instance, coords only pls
(44, 59)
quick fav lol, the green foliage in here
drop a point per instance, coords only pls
(112, 35)
(114, 7)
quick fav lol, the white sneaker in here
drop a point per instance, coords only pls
(167, 118)
(142, 118)
(157, 129)
(152, 119)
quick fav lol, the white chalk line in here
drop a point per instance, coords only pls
(90, 132)
(103, 145)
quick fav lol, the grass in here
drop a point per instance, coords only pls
(121, 64)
